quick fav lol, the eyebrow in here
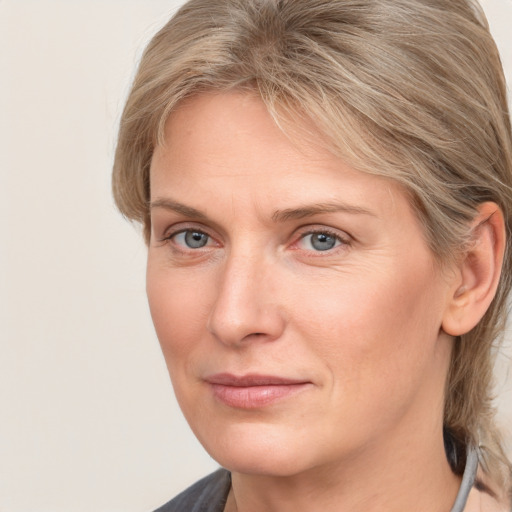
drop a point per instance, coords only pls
(169, 204)
(298, 213)
(316, 209)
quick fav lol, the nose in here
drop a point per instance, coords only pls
(246, 305)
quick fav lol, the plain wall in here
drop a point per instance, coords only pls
(88, 420)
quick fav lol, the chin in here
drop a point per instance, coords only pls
(261, 462)
(258, 449)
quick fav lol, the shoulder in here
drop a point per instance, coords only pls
(207, 495)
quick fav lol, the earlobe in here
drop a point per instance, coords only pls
(478, 272)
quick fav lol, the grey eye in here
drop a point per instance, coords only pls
(192, 239)
(320, 241)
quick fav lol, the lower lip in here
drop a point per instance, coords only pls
(254, 397)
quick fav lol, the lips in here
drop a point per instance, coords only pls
(253, 391)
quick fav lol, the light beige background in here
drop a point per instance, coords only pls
(87, 418)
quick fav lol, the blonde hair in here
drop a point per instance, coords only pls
(408, 89)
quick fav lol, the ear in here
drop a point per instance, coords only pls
(477, 273)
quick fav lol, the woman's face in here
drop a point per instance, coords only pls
(296, 302)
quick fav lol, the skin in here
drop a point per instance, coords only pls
(359, 323)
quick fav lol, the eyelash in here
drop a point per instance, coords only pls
(170, 236)
(340, 241)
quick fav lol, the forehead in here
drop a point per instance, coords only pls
(211, 134)
(224, 155)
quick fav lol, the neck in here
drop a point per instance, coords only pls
(392, 477)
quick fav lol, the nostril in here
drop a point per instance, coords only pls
(254, 335)
(242, 313)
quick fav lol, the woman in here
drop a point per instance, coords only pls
(326, 193)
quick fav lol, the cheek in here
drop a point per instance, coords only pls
(178, 310)
(378, 330)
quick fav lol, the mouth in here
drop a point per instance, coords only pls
(253, 391)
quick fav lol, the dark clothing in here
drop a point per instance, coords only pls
(207, 495)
